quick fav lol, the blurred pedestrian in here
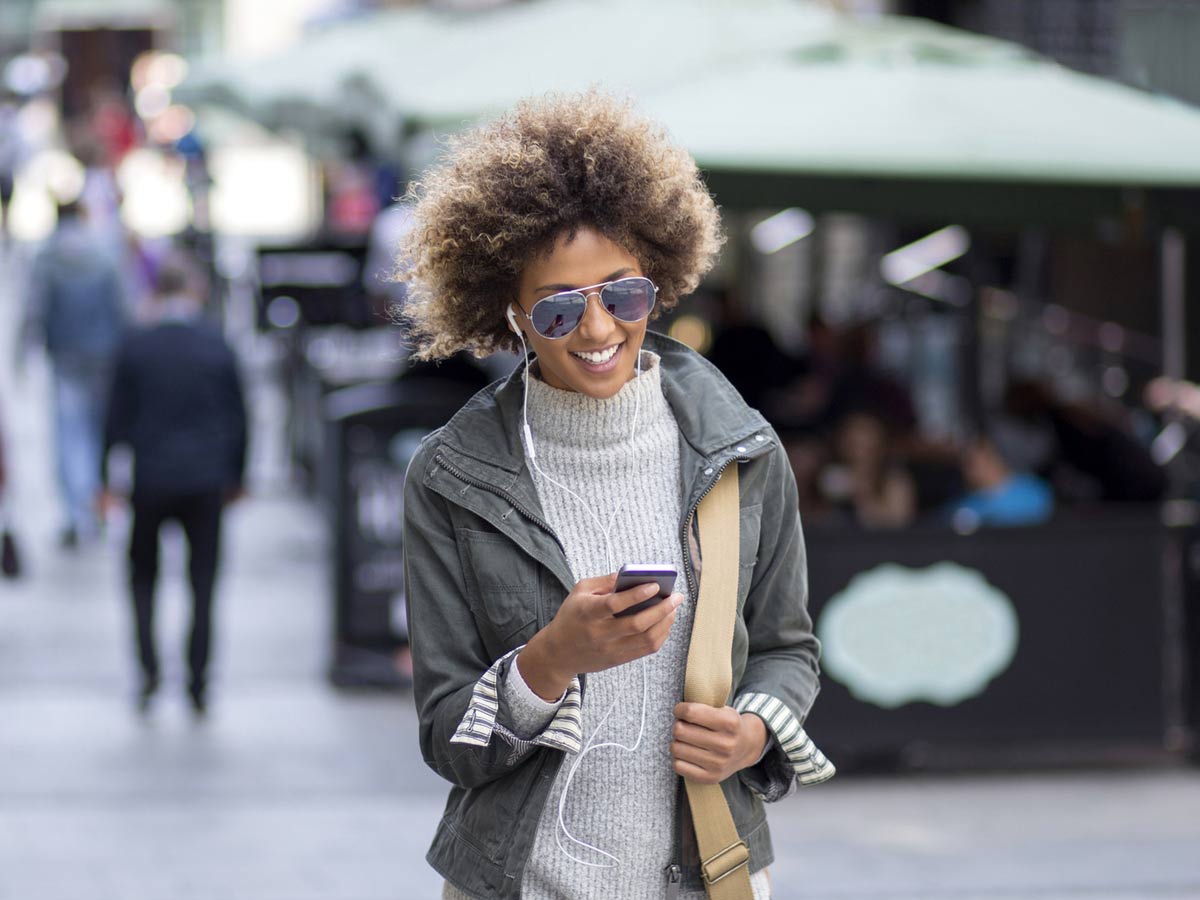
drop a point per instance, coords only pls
(177, 403)
(76, 309)
(809, 455)
(747, 354)
(112, 123)
(1093, 453)
(13, 150)
(998, 495)
(10, 562)
(839, 376)
(385, 291)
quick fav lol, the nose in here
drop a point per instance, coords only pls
(596, 323)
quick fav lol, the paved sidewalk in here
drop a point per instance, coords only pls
(291, 790)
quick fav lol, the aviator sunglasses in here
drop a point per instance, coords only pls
(627, 299)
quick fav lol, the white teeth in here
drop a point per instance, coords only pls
(598, 357)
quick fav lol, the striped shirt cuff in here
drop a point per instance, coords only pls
(806, 765)
(479, 723)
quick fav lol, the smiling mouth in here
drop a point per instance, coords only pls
(597, 357)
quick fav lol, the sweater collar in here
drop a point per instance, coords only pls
(710, 413)
(569, 418)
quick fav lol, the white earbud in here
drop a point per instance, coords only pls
(511, 315)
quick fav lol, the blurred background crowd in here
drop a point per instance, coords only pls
(960, 281)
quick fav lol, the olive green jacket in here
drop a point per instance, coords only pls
(485, 572)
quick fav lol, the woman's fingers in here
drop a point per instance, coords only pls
(717, 718)
(591, 638)
(705, 739)
(621, 602)
(697, 756)
(696, 773)
(643, 643)
(648, 618)
(702, 753)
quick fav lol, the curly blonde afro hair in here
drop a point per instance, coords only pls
(511, 188)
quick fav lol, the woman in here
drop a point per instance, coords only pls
(560, 229)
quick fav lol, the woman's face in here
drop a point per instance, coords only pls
(584, 260)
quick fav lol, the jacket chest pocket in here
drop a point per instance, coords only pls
(501, 580)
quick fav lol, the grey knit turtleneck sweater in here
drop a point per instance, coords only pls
(619, 801)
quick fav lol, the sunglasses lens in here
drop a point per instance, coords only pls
(629, 299)
(557, 315)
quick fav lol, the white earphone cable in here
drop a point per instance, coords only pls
(589, 746)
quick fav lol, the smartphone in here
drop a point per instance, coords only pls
(633, 574)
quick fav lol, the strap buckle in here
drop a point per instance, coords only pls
(725, 862)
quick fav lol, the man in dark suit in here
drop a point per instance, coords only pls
(177, 402)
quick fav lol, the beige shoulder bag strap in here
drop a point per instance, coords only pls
(723, 854)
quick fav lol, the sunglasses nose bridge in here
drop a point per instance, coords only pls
(594, 317)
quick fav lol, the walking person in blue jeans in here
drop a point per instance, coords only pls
(177, 402)
(76, 309)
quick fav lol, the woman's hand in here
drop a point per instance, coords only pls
(586, 636)
(711, 744)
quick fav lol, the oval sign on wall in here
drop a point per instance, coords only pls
(897, 635)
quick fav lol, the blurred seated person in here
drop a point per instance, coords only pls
(809, 455)
(746, 354)
(838, 376)
(1170, 395)
(1093, 454)
(864, 476)
(997, 494)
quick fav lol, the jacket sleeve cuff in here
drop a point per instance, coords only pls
(563, 731)
(791, 759)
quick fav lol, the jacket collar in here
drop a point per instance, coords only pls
(711, 414)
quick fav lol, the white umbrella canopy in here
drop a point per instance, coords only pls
(445, 68)
(301, 87)
(569, 45)
(803, 100)
(905, 98)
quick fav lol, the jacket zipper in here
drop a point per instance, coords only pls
(674, 880)
(492, 489)
(674, 870)
(693, 589)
